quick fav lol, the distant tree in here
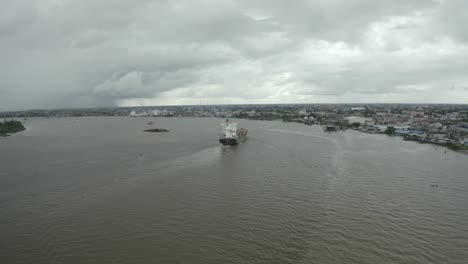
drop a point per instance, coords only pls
(355, 124)
(390, 130)
(369, 113)
(454, 146)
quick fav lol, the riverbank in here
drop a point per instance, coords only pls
(337, 125)
(452, 144)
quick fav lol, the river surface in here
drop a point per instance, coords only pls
(99, 190)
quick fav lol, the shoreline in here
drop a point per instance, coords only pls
(422, 141)
(455, 148)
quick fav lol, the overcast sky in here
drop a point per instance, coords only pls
(87, 53)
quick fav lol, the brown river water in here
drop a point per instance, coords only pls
(100, 190)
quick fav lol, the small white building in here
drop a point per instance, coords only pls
(436, 125)
(464, 141)
(358, 108)
(439, 135)
(358, 119)
(452, 115)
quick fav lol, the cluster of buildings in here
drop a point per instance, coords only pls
(437, 124)
(143, 113)
(177, 112)
(449, 128)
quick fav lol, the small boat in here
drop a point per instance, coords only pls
(156, 130)
(329, 128)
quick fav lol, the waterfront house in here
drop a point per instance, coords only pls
(358, 119)
(410, 132)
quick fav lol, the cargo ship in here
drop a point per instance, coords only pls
(231, 135)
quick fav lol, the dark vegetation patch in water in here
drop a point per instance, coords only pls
(9, 127)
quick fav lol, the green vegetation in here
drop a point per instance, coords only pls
(368, 113)
(454, 146)
(390, 131)
(9, 127)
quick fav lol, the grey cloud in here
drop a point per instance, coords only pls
(335, 19)
(100, 53)
(450, 19)
(139, 84)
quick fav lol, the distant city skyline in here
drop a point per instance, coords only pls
(78, 54)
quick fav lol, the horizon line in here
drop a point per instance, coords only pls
(198, 105)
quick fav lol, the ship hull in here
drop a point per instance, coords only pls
(228, 141)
